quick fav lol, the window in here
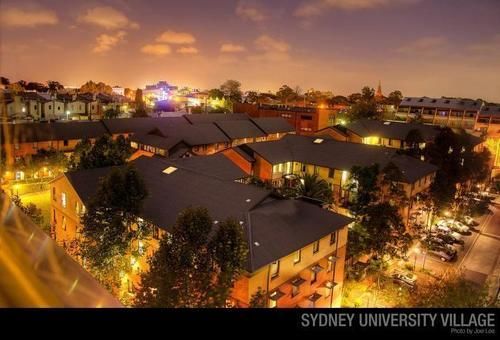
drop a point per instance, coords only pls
(329, 267)
(16, 146)
(333, 238)
(64, 226)
(35, 145)
(295, 291)
(65, 142)
(54, 218)
(314, 277)
(275, 269)
(64, 201)
(54, 194)
(331, 173)
(77, 208)
(297, 256)
(304, 117)
(58, 108)
(303, 169)
(50, 107)
(316, 170)
(315, 247)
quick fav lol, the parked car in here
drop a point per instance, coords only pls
(442, 227)
(405, 279)
(469, 221)
(442, 255)
(459, 227)
(448, 238)
(447, 248)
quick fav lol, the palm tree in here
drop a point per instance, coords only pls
(311, 186)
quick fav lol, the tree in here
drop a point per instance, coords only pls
(394, 98)
(111, 113)
(110, 225)
(413, 141)
(140, 106)
(363, 187)
(4, 81)
(215, 93)
(392, 177)
(258, 299)
(252, 97)
(354, 98)
(34, 86)
(451, 292)
(232, 90)
(54, 86)
(92, 87)
(285, 93)
(362, 109)
(196, 264)
(367, 94)
(16, 88)
(30, 210)
(105, 152)
(313, 187)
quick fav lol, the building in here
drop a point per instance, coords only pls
(118, 90)
(158, 92)
(392, 134)
(20, 140)
(282, 162)
(296, 249)
(475, 115)
(305, 120)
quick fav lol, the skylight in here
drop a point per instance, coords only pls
(318, 141)
(387, 123)
(169, 170)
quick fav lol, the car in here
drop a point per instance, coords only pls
(446, 238)
(447, 248)
(469, 221)
(442, 255)
(459, 227)
(443, 228)
(404, 279)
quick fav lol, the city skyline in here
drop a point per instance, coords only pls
(331, 45)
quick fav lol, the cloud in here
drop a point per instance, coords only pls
(106, 42)
(232, 48)
(491, 45)
(156, 49)
(271, 50)
(187, 50)
(429, 46)
(108, 18)
(269, 44)
(313, 8)
(172, 37)
(250, 12)
(17, 17)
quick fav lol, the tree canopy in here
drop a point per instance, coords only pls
(104, 152)
(196, 264)
(232, 90)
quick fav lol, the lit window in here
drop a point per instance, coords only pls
(272, 303)
(297, 256)
(169, 170)
(315, 247)
(275, 269)
(64, 201)
(77, 208)
(64, 226)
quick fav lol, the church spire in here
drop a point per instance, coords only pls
(379, 90)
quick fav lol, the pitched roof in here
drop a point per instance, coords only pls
(280, 227)
(337, 155)
(39, 132)
(216, 165)
(236, 129)
(271, 125)
(140, 125)
(165, 143)
(442, 103)
(201, 134)
(206, 118)
(392, 130)
(275, 227)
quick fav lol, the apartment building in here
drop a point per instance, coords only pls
(474, 115)
(283, 161)
(296, 249)
(305, 120)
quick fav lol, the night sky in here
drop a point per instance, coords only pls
(422, 47)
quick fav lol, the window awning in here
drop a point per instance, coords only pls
(314, 297)
(276, 295)
(297, 281)
(316, 268)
